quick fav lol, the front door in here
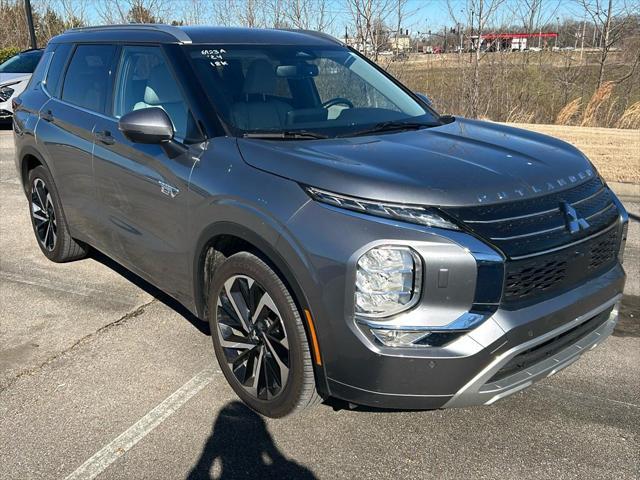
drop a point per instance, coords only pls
(142, 188)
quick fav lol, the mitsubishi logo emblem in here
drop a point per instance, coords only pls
(574, 224)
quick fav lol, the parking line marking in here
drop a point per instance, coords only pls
(99, 462)
(58, 286)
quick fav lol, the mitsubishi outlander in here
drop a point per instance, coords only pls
(342, 238)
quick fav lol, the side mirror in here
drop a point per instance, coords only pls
(147, 125)
(424, 98)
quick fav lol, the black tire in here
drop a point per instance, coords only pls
(48, 220)
(270, 398)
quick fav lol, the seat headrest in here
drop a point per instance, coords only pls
(161, 87)
(260, 79)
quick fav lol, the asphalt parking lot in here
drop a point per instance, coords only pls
(102, 375)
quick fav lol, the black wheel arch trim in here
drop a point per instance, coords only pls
(24, 153)
(273, 256)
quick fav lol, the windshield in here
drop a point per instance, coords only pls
(25, 62)
(323, 91)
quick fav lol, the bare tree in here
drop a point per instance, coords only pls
(610, 20)
(133, 11)
(196, 12)
(369, 19)
(305, 14)
(481, 14)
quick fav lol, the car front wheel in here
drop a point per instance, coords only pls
(259, 338)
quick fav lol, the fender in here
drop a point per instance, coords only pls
(240, 231)
(278, 261)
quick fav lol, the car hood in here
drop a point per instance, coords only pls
(13, 77)
(465, 162)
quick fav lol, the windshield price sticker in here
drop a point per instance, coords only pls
(215, 56)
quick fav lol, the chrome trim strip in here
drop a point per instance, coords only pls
(567, 245)
(175, 32)
(590, 196)
(600, 212)
(532, 234)
(465, 322)
(548, 230)
(536, 214)
(478, 392)
(519, 217)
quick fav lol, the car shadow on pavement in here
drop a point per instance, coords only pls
(241, 447)
(158, 294)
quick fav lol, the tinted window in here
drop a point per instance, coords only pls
(86, 83)
(25, 62)
(145, 80)
(56, 69)
(329, 90)
(40, 70)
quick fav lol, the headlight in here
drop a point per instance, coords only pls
(5, 93)
(406, 213)
(388, 281)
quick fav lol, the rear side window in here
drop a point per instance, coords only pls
(56, 69)
(88, 77)
(40, 70)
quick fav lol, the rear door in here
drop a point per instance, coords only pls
(65, 129)
(143, 191)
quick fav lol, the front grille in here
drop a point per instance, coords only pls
(526, 227)
(534, 279)
(551, 347)
(524, 230)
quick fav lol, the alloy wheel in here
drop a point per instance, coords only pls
(253, 337)
(43, 214)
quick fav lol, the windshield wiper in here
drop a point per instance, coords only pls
(391, 126)
(286, 135)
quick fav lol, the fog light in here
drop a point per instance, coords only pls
(387, 281)
(398, 338)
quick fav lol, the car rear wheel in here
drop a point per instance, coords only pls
(259, 338)
(48, 221)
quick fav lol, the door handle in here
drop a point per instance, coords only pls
(105, 137)
(47, 116)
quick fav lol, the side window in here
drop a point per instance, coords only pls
(38, 73)
(144, 81)
(86, 83)
(56, 69)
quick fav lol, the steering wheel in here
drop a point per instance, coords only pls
(337, 101)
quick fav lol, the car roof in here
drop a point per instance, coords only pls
(157, 33)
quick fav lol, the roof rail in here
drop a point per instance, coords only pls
(314, 33)
(175, 32)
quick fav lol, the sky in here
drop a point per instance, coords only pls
(424, 15)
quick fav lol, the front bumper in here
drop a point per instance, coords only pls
(485, 389)
(360, 370)
(465, 376)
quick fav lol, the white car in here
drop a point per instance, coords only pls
(15, 74)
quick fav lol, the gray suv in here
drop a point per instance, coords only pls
(341, 238)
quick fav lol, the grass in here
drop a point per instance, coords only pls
(541, 87)
(615, 152)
